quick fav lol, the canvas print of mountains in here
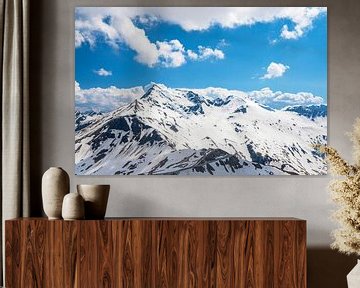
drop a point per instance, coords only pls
(200, 91)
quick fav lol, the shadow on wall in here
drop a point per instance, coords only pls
(139, 207)
(35, 104)
(328, 268)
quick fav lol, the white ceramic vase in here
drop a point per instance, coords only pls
(353, 278)
(73, 207)
(55, 185)
(96, 198)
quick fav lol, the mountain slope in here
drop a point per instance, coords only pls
(200, 131)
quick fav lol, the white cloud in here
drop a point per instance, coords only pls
(136, 39)
(91, 21)
(88, 29)
(217, 92)
(195, 19)
(287, 34)
(110, 98)
(192, 55)
(105, 99)
(205, 53)
(222, 43)
(280, 99)
(171, 53)
(103, 72)
(79, 39)
(275, 70)
(302, 21)
(84, 37)
(122, 29)
(273, 41)
(116, 25)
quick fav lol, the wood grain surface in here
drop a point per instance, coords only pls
(157, 253)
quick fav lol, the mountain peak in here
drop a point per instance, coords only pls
(151, 87)
(154, 85)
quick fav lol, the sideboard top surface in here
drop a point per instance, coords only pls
(175, 219)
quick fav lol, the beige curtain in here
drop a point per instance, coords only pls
(14, 38)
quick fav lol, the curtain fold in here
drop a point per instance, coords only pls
(14, 25)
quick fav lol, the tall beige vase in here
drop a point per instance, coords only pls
(96, 198)
(55, 185)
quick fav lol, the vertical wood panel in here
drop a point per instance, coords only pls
(162, 246)
(249, 248)
(209, 254)
(33, 253)
(258, 254)
(269, 254)
(245, 254)
(224, 256)
(128, 263)
(105, 268)
(116, 230)
(13, 251)
(180, 243)
(146, 247)
(285, 254)
(156, 253)
(55, 268)
(88, 254)
(136, 245)
(173, 251)
(194, 251)
(117, 233)
(70, 247)
(301, 254)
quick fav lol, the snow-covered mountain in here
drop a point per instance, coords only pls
(82, 120)
(310, 111)
(210, 131)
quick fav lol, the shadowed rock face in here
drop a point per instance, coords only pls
(309, 111)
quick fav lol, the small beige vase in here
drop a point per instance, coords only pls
(73, 207)
(55, 185)
(96, 198)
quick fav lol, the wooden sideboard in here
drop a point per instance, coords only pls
(156, 252)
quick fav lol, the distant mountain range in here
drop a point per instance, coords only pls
(309, 111)
(210, 131)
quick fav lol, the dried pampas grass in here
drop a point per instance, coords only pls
(345, 192)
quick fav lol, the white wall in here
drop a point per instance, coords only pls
(52, 91)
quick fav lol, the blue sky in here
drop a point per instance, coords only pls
(285, 53)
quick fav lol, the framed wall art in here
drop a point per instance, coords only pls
(200, 90)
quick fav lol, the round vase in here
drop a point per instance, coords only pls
(73, 207)
(96, 198)
(55, 185)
